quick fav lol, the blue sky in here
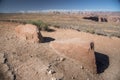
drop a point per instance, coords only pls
(33, 5)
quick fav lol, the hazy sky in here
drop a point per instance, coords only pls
(29, 5)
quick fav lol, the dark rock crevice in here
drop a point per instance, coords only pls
(10, 68)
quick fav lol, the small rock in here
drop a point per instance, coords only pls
(73, 77)
(62, 59)
(31, 56)
(49, 65)
(51, 71)
(53, 78)
(57, 59)
(81, 67)
(59, 76)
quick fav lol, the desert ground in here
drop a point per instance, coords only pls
(22, 60)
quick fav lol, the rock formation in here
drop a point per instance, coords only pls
(97, 18)
(103, 18)
(78, 50)
(28, 32)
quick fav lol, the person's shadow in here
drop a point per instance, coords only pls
(102, 62)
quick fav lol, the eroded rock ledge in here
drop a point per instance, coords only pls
(29, 32)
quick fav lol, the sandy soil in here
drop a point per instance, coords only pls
(28, 61)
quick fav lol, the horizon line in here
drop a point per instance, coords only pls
(60, 10)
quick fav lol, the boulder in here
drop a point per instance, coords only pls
(28, 32)
(77, 50)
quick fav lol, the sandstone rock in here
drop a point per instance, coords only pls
(78, 50)
(4, 68)
(29, 32)
(62, 59)
(5, 73)
(2, 58)
(53, 78)
(51, 71)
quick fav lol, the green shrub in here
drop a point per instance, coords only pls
(41, 25)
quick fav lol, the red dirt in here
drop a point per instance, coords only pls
(19, 53)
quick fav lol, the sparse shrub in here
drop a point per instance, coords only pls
(41, 25)
(44, 27)
(116, 35)
(92, 31)
(101, 33)
(23, 22)
(56, 26)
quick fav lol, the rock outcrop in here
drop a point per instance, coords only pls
(97, 18)
(78, 50)
(29, 32)
(102, 18)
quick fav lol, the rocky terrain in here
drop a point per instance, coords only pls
(23, 60)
